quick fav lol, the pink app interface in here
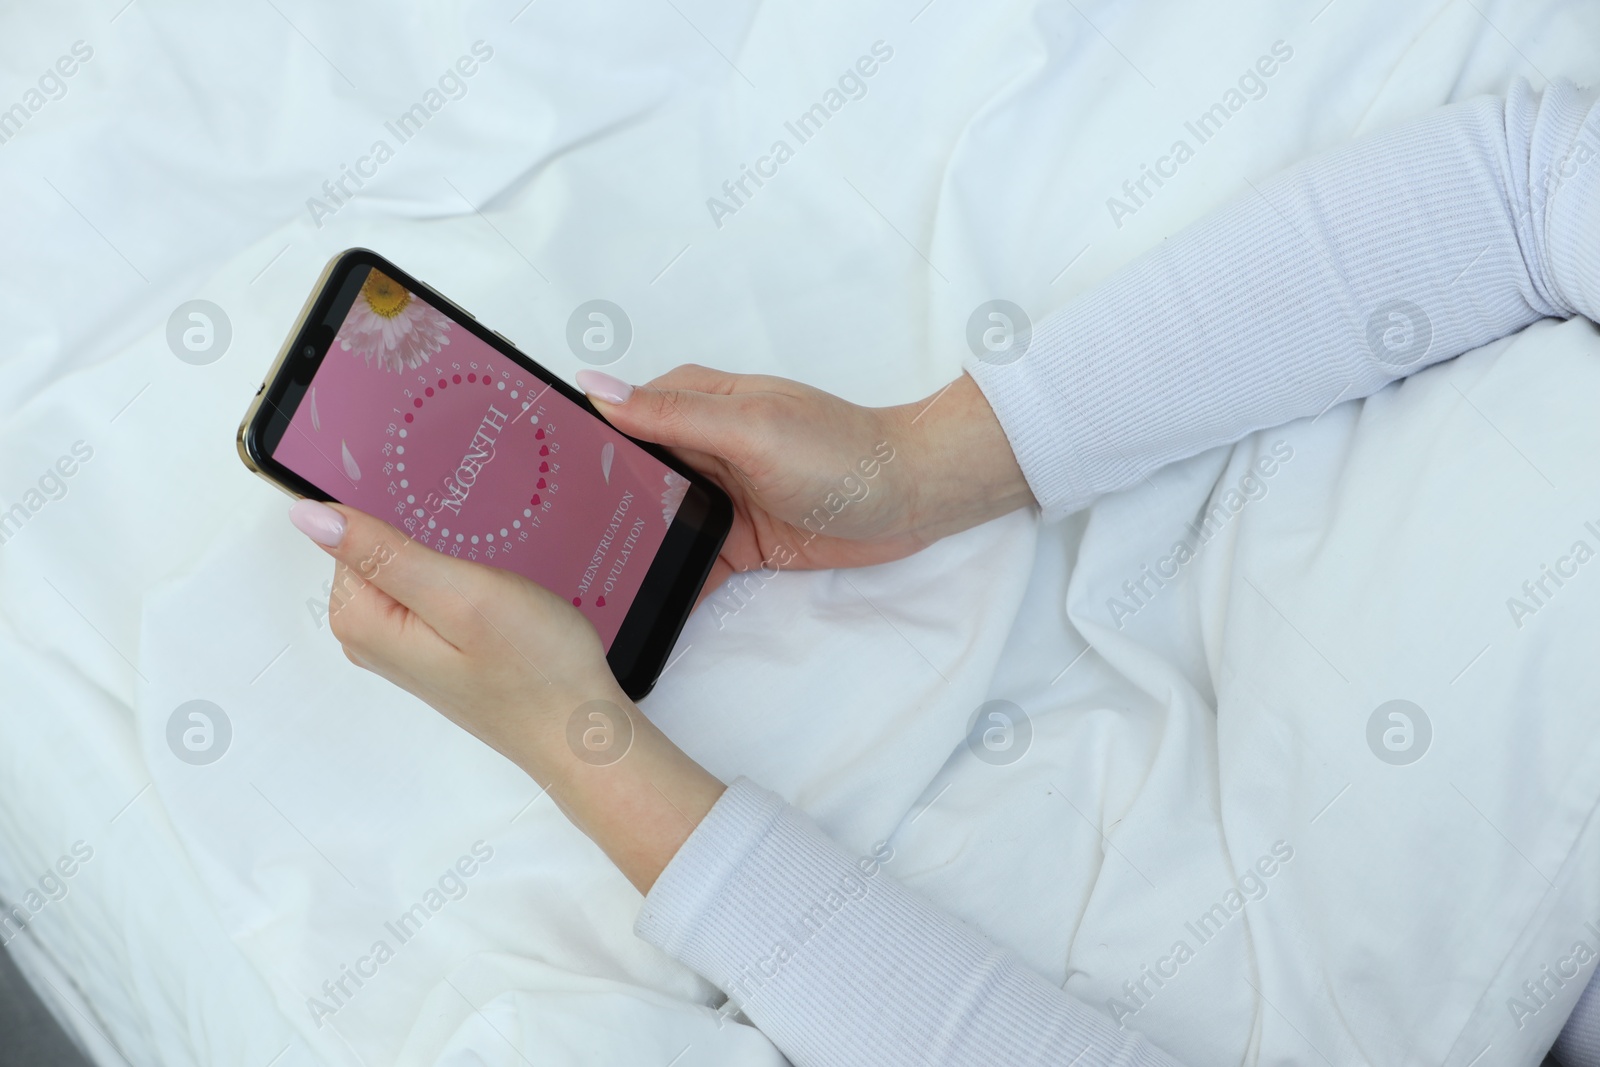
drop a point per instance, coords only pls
(415, 420)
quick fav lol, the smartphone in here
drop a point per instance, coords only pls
(392, 399)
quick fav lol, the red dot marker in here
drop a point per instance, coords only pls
(577, 601)
(600, 602)
(443, 383)
(472, 377)
(409, 416)
(456, 378)
(416, 402)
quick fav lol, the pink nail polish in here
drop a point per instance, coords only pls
(318, 521)
(604, 386)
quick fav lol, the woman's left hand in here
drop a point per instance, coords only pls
(521, 669)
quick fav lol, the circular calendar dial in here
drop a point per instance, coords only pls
(513, 453)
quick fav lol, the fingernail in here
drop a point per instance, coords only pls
(602, 385)
(318, 521)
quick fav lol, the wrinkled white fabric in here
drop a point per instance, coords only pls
(977, 165)
(1357, 268)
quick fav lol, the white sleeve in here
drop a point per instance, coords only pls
(1322, 284)
(1579, 1042)
(839, 964)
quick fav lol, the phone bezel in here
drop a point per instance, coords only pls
(667, 594)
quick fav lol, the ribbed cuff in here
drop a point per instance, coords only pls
(1569, 195)
(688, 890)
(1310, 289)
(1035, 418)
(837, 963)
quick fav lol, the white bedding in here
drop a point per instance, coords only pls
(1227, 714)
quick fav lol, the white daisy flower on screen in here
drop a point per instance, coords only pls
(390, 324)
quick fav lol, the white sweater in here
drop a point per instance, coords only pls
(1337, 277)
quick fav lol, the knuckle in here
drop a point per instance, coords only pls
(346, 583)
(673, 414)
(373, 554)
(345, 619)
(339, 619)
(683, 372)
(695, 376)
(664, 405)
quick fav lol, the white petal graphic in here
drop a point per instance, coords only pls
(608, 452)
(316, 421)
(350, 468)
(672, 496)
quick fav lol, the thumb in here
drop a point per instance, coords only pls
(678, 416)
(431, 585)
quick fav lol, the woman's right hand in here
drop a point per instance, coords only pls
(816, 481)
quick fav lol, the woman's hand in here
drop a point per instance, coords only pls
(521, 669)
(817, 481)
(496, 654)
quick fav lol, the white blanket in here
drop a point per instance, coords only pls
(1223, 723)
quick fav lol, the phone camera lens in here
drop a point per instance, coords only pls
(308, 351)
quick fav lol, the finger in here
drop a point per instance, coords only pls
(701, 380)
(376, 631)
(720, 469)
(409, 574)
(705, 419)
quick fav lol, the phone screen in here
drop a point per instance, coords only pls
(414, 419)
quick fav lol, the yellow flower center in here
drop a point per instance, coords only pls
(385, 296)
